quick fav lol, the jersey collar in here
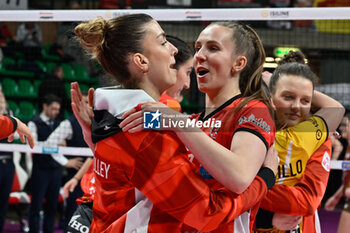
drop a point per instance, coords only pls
(224, 105)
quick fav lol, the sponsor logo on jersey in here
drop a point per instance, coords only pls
(214, 132)
(73, 223)
(101, 168)
(318, 134)
(257, 121)
(290, 169)
(326, 162)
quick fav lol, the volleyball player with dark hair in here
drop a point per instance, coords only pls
(303, 148)
(184, 67)
(156, 177)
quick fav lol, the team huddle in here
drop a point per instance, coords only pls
(264, 168)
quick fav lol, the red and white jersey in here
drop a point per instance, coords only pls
(7, 126)
(146, 180)
(254, 118)
(87, 184)
(146, 183)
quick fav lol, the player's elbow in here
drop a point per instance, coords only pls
(307, 209)
(239, 187)
(311, 210)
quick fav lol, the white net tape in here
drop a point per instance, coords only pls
(46, 149)
(246, 14)
(336, 165)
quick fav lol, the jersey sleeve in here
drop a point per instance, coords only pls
(309, 134)
(163, 173)
(7, 125)
(305, 197)
(170, 102)
(256, 119)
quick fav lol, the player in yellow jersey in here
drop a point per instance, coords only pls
(304, 166)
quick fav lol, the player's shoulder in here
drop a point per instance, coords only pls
(257, 103)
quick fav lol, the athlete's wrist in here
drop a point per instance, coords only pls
(268, 176)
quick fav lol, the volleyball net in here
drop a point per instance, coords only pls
(322, 34)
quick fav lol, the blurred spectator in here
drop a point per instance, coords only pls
(53, 84)
(6, 36)
(8, 42)
(71, 49)
(344, 190)
(65, 35)
(74, 5)
(46, 173)
(30, 37)
(303, 3)
(4, 110)
(139, 4)
(7, 169)
(65, 32)
(7, 166)
(339, 147)
(115, 4)
(276, 24)
(69, 133)
(1, 56)
(344, 223)
(29, 34)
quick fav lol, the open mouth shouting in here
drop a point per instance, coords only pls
(202, 72)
